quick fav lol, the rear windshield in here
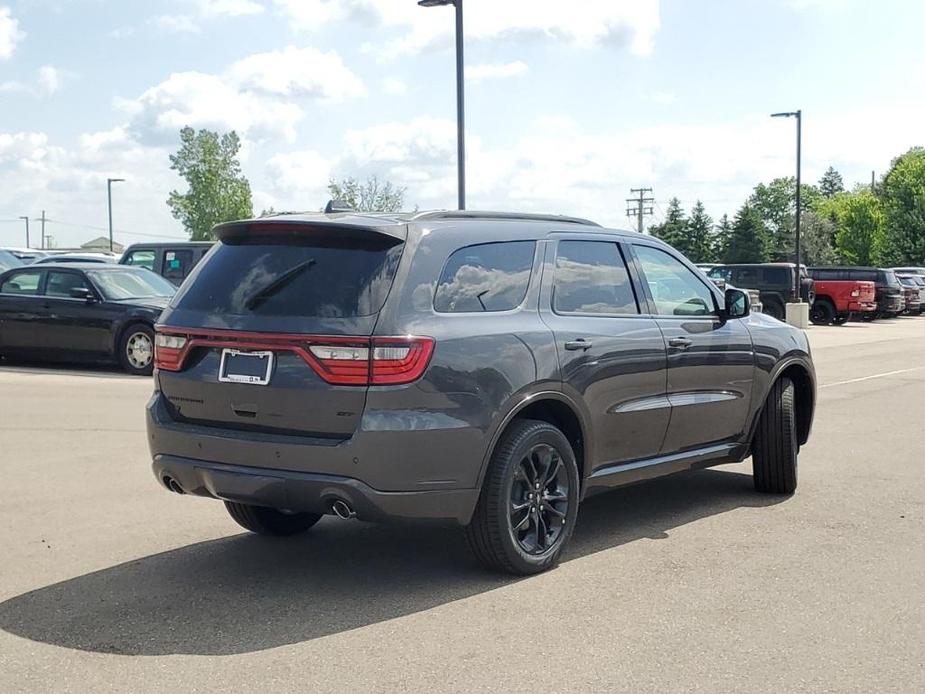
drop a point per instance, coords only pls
(315, 275)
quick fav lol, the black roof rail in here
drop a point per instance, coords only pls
(334, 206)
(504, 216)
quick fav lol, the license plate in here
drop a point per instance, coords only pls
(245, 367)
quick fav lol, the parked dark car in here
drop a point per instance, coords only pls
(917, 282)
(172, 261)
(890, 300)
(491, 369)
(82, 312)
(774, 282)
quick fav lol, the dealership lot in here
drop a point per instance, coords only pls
(688, 583)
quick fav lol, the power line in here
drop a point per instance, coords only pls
(118, 231)
(640, 210)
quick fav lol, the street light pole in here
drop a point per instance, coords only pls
(27, 230)
(798, 114)
(109, 182)
(460, 96)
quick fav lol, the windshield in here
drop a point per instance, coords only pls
(890, 279)
(130, 284)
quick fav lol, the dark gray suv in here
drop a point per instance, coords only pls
(492, 369)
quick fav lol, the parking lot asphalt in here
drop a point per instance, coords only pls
(689, 583)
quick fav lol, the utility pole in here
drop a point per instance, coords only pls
(637, 207)
(43, 229)
(27, 230)
(873, 184)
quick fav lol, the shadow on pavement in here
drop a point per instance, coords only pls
(247, 593)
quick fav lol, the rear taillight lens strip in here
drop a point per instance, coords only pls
(339, 360)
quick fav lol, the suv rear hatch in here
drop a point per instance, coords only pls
(272, 331)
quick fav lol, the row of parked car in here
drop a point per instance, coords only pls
(90, 307)
(835, 294)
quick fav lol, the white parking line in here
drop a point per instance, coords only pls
(868, 378)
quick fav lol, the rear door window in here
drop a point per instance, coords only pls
(746, 277)
(26, 282)
(591, 278)
(485, 277)
(322, 275)
(779, 276)
(140, 259)
(177, 264)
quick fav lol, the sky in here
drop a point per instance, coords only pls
(569, 104)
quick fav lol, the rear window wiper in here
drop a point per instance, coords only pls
(269, 290)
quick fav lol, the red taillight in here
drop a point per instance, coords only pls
(383, 361)
(347, 361)
(169, 351)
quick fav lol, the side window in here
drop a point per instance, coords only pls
(141, 259)
(677, 291)
(177, 265)
(779, 276)
(26, 282)
(746, 278)
(486, 277)
(60, 284)
(721, 273)
(591, 277)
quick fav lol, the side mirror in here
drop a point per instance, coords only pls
(737, 304)
(83, 293)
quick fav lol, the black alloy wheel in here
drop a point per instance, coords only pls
(539, 499)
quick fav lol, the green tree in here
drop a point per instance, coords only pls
(372, 195)
(673, 230)
(903, 194)
(699, 235)
(859, 226)
(775, 203)
(218, 192)
(816, 233)
(722, 237)
(831, 183)
(748, 239)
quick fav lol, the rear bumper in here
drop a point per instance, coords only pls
(862, 306)
(306, 492)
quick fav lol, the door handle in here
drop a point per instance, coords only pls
(580, 343)
(680, 342)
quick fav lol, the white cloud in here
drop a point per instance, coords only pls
(176, 23)
(69, 183)
(394, 86)
(202, 100)
(625, 23)
(556, 166)
(488, 71)
(299, 72)
(296, 181)
(47, 81)
(254, 96)
(228, 8)
(10, 33)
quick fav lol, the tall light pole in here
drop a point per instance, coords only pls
(109, 182)
(460, 96)
(27, 230)
(798, 114)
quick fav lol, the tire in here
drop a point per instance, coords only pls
(268, 521)
(135, 358)
(775, 447)
(822, 312)
(528, 448)
(841, 319)
(774, 309)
